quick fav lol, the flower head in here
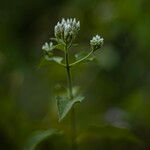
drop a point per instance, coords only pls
(66, 30)
(96, 42)
(47, 47)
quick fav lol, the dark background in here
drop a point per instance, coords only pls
(117, 87)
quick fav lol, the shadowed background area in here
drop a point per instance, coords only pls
(116, 86)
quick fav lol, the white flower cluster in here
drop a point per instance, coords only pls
(47, 47)
(67, 30)
(96, 42)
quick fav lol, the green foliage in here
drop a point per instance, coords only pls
(82, 55)
(56, 59)
(60, 47)
(65, 33)
(65, 104)
(58, 41)
(38, 137)
(45, 61)
(119, 79)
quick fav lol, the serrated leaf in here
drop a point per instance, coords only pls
(64, 105)
(83, 54)
(38, 137)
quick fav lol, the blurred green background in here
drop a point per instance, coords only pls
(117, 87)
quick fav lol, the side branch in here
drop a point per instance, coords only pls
(80, 60)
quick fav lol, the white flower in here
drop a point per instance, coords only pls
(47, 47)
(67, 30)
(96, 42)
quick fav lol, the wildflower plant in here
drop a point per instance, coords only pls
(66, 31)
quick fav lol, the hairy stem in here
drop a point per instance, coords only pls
(73, 121)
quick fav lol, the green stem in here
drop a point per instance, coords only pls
(73, 122)
(80, 60)
(61, 64)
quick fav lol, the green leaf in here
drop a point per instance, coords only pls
(59, 41)
(80, 55)
(38, 137)
(45, 59)
(56, 59)
(60, 47)
(83, 54)
(64, 105)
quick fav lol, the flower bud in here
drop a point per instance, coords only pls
(66, 30)
(96, 42)
(48, 47)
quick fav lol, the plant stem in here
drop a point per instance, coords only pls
(73, 122)
(80, 60)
